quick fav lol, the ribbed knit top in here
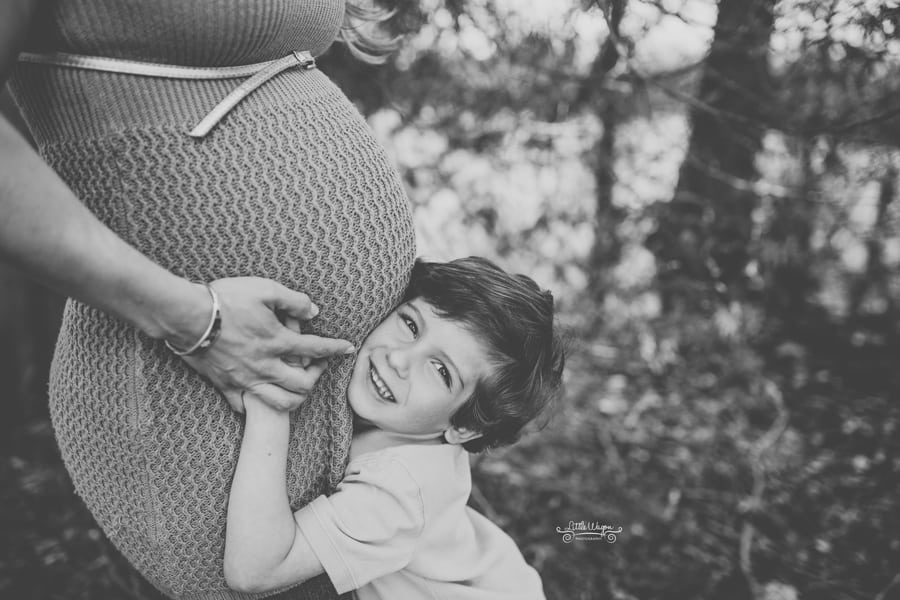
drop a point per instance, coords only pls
(207, 33)
(291, 185)
(187, 32)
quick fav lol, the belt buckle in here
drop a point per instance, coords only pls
(305, 59)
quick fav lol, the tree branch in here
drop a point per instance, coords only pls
(754, 502)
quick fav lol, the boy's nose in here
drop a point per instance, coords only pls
(398, 359)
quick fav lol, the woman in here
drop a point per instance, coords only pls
(286, 183)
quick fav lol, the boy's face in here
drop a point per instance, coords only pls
(414, 371)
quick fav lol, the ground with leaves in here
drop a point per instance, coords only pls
(731, 472)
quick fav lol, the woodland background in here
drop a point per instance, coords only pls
(711, 190)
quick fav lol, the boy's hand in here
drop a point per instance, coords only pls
(311, 371)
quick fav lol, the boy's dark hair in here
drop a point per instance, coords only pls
(513, 317)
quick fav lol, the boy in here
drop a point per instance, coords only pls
(466, 361)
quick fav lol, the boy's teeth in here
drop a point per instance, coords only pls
(380, 385)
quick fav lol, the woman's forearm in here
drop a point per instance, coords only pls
(48, 233)
(260, 531)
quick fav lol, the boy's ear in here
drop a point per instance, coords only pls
(460, 435)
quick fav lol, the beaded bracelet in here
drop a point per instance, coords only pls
(212, 330)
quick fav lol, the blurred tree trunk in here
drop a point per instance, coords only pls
(29, 323)
(785, 254)
(703, 235)
(873, 286)
(11, 350)
(607, 248)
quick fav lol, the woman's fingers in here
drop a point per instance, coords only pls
(296, 361)
(314, 346)
(291, 389)
(277, 397)
(301, 379)
(292, 324)
(295, 304)
(235, 399)
(288, 390)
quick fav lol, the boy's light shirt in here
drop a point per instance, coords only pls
(398, 527)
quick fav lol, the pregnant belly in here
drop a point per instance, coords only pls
(293, 188)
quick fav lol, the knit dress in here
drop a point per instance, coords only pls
(290, 185)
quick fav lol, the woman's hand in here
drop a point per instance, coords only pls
(254, 351)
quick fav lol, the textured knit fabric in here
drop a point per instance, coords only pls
(398, 527)
(290, 185)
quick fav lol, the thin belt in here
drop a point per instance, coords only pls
(257, 74)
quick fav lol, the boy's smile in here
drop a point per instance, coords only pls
(381, 387)
(414, 371)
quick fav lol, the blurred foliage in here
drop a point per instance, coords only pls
(710, 189)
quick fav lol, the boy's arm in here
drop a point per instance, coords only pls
(264, 550)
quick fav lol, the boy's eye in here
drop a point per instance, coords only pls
(445, 374)
(410, 324)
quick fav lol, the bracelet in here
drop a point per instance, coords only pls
(212, 330)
